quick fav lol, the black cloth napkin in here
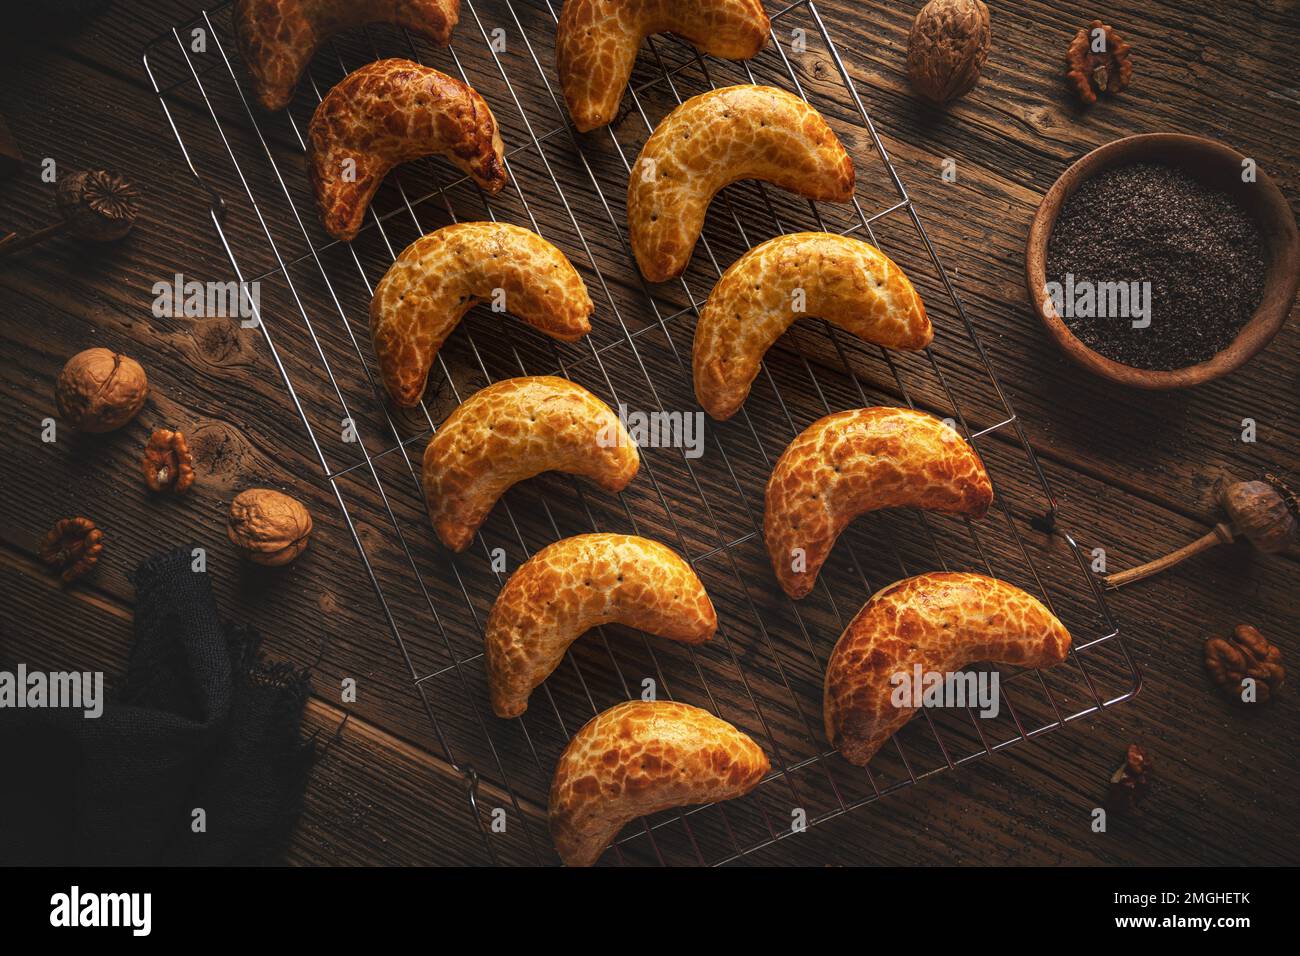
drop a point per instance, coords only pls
(201, 722)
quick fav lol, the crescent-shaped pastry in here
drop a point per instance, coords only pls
(579, 583)
(515, 429)
(843, 280)
(439, 277)
(389, 112)
(857, 461)
(278, 38)
(597, 41)
(641, 757)
(941, 622)
(716, 138)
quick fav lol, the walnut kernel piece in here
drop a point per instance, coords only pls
(71, 548)
(1108, 70)
(947, 48)
(268, 527)
(167, 463)
(1246, 653)
(100, 390)
(1129, 785)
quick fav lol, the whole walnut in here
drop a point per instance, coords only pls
(268, 527)
(947, 48)
(100, 390)
(1247, 653)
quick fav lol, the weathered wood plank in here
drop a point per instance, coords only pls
(1130, 470)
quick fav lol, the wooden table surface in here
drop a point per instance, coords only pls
(1132, 471)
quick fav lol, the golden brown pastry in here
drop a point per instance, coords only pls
(597, 41)
(579, 583)
(846, 281)
(389, 112)
(641, 757)
(857, 461)
(278, 38)
(716, 138)
(439, 277)
(515, 429)
(942, 621)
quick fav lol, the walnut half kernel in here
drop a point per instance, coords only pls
(167, 463)
(72, 547)
(1098, 61)
(1245, 654)
(268, 527)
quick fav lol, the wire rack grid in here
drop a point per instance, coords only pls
(763, 670)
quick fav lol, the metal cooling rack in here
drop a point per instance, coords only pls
(763, 670)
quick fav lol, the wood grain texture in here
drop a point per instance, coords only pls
(1131, 471)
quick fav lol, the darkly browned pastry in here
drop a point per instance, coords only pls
(942, 622)
(597, 41)
(843, 280)
(641, 757)
(579, 583)
(278, 38)
(512, 430)
(386, 113)
(717, 138)
(441, 276)
(857, 461)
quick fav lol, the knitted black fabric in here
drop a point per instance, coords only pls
(200, 723)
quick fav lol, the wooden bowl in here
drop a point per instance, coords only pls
(1220, 167)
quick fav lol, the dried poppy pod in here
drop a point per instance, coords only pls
(95, 205)
(1262, 512)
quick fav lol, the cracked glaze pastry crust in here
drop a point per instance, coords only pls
(943, 621)
(857, 461)
(641, 757)
(579, 583)
(847, 282)
(716, 138)
(278, 38)
(515, 429)
(439, 277)
(389, 112)
(596, 44)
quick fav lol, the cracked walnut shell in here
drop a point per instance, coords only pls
(1131, 783)
(947, 48)
(1105, 70)
(167, 463)
(100, 390)
(268, 527)
(71, 548)
(1246, 653)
